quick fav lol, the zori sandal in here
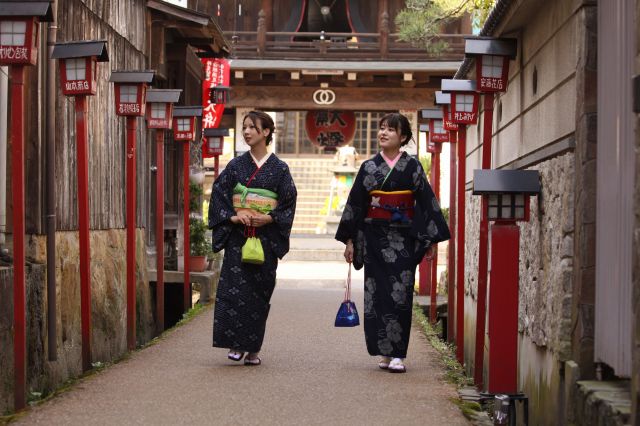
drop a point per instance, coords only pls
(384, 362)
(235, 355)
(252, 359)
(396, 366)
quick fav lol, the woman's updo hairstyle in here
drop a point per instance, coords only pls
(266, 122)
(400, 123)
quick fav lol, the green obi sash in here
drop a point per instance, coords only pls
(258, 199)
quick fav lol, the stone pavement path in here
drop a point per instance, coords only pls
(312, 374)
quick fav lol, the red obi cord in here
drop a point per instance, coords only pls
(395, 206)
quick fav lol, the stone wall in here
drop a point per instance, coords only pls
(108, 306)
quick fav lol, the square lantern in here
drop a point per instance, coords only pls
(160, 107)
(492, 57)
(464, 100)
(213, 142)
(78, 65)
(507, 192)
(19, 30)
(219, 95)
(130, 90)
(184, 122)
(444, 101)
(437, 132)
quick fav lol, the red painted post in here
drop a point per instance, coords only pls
(216, 166)
(451, 266)
(503, 309)
(187, 251)
(17, 195)
(159, 231)
(435, 166)
(424, 285)
(462, 155)
(482, 248)
(132, 125)
(83, 229)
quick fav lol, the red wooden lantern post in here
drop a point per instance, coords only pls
(159, 116)
(18, 48)
(464, 110)
(507, 193)
(184, 129)
(492, 70)
(213, 146)
(435, 148)
(424, 272)
(78, 79)
(444, 101)
(130, 88)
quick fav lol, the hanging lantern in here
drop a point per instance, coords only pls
(220, 95)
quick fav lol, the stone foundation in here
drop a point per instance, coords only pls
(108, 307)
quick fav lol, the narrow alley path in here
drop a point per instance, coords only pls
(312, 374)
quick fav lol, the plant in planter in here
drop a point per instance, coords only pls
(195, 192)
(200, 246)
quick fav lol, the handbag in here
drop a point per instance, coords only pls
(252, 249)
(347, 313)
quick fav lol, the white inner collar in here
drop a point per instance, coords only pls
(262, 161)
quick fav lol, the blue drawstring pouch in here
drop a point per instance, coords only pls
(347, 313)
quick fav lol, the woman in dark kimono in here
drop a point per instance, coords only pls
(390, 220)
(245, 289)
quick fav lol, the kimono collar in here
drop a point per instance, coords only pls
(391, 161)
(262, 161)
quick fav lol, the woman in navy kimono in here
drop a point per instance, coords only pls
(390, 220)
(245, 289)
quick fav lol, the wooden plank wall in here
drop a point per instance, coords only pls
(122, 24)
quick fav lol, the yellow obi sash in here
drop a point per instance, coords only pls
(257, 199)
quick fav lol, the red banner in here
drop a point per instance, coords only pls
(330, 129)
(216, 73)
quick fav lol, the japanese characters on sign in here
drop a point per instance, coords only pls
(217, 73)
(437, 132)
(448, 124)
(330, 129)
(17, 44)
(464, 107)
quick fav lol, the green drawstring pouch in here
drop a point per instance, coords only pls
(252, 249)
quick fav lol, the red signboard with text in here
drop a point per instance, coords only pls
(330, 129)
(216, 73)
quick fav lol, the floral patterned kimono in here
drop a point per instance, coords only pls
(244, 290)
(390, 249)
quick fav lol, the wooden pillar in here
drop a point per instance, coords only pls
(267, 7)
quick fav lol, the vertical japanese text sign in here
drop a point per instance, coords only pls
(216, 72)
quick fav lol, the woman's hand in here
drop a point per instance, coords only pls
(260, 219)
(243, 217)
(348, 251)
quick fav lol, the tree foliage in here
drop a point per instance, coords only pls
(421, 21)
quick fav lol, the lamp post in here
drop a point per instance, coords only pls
(464, 110)
(213, 146)
(184, 129)
(424, 277)
(130, 91)
(437, 136)
(159, 116)
(444, 100)
(492, 69)
(19, 48)
(507, 201)
(78, 79)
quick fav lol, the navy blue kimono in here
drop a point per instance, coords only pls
(390, 250)
(244, 290)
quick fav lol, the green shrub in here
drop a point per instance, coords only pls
(199, 244)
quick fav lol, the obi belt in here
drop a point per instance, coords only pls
(394, 206)
(257, 199)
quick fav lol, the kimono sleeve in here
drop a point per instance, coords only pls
(352, 220)
(221, 208)
(429, 226)
(283, 214)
